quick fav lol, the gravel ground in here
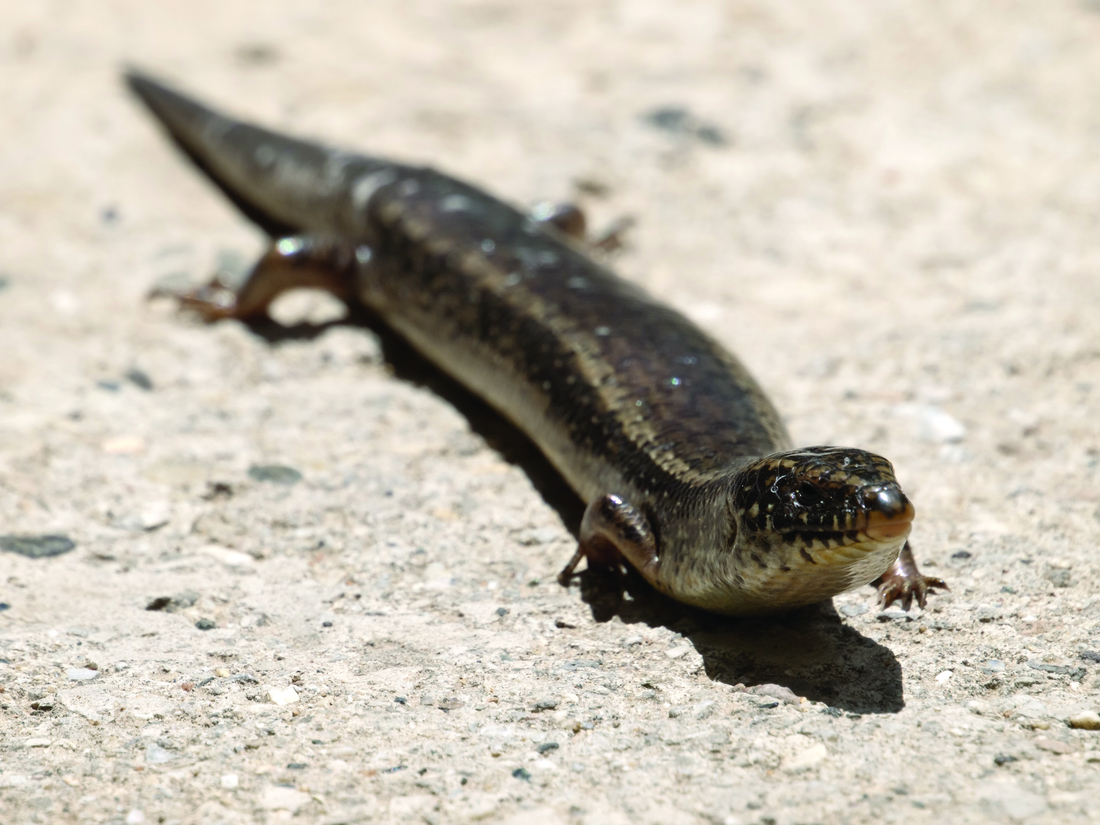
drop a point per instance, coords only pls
(297, 574)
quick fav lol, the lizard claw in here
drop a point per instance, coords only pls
(905, 589)
(215, 301)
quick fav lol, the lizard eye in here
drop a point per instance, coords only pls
(807, 493)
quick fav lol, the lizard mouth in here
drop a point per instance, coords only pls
(882, 529)
(891, 516)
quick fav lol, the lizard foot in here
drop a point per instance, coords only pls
(904, 582)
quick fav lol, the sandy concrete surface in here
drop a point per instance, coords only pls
(888, 209)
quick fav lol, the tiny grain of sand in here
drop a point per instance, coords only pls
(889, 210)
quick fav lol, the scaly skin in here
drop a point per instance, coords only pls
(686, 466)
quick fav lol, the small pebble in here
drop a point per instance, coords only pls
(547, 746)
(938, 426)
(993, 666)
(522, 773)
(37, 547)
(985, 614)
(546, 704)
(156, 755)
(704, 709)
(539, 535)
(181, 601)
(1085, 720)
(144, 520)
(944, 676)
(783, 694)
(206, 624)
(894, 616)
(282, 696)
(81, 674)
(678, 120)
(282, 798)
(135, 817)
(1054, 745)
(274, 473)
(230, 781)
(123, 445)
(810, 757)
(1059, 577)
(1004, 759)
(139, 379)
(853, 610)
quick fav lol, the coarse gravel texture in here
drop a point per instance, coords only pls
(313, 581)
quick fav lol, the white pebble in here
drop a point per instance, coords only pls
(282, 696)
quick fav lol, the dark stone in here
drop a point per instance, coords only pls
(139, 379)
(37, 547)
(206, 624)
(668, 118)
(274, 473)
(173, 604)
(712, 135)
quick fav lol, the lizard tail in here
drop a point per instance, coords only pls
(283, 185)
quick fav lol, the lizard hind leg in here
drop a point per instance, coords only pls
(292, 262)
(612, 532)
(571, 221)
